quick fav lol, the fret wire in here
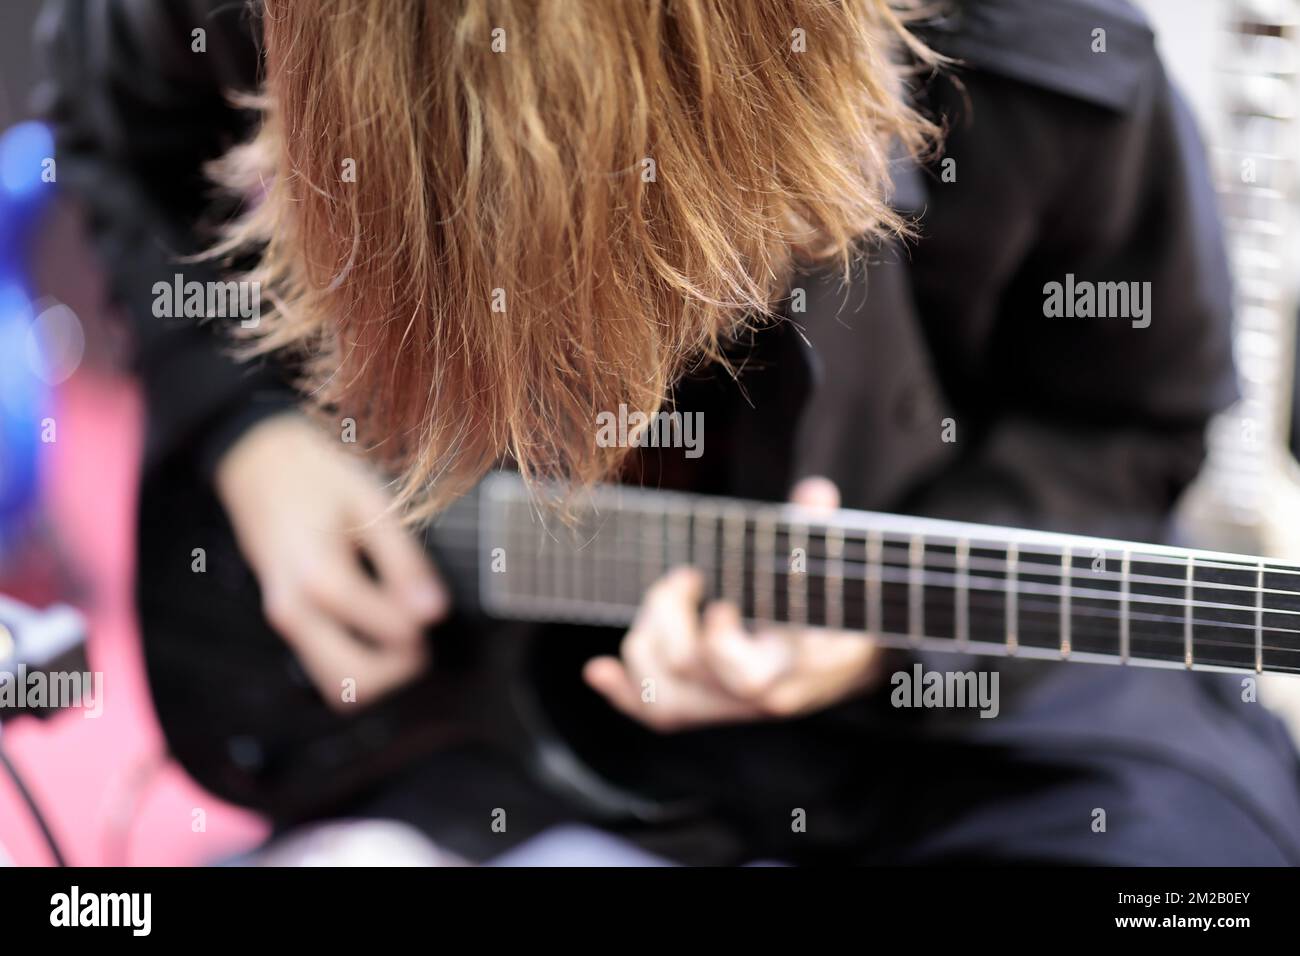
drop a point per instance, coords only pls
(1187, 614)
(659, 534)
(562, 551)
(654, 533)
(517, 541)
(532, 545)
(833, 584)
(663, 541)
(704, 539)
(962, 610)
(491, 537)
(764, 579)
(495, 537)
(617, 544)
(916, 607)
(543, 571)
(608, 586)
(679, 542)
(550, 559)
(875, 602)
(587, 556)
(1067, 582)
(720, 553)
(609, 553)
(537, 555)
(734, 556)
(1259, 619)
(572, 543)
(1013, 636)
(797, 581)
(1124, 607)
(623, 557)
(579, 541)
(603, 587)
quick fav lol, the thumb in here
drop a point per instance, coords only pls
(815, 492)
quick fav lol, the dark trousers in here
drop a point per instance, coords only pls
(1103, 766)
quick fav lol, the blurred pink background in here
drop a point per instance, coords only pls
(107, 789)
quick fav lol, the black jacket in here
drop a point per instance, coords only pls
(136, 116)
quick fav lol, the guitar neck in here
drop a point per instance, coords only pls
(911, 582)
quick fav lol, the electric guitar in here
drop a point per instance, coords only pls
(909, 582)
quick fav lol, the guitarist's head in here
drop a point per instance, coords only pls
(484, 222)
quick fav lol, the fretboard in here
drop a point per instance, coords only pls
(906, 581)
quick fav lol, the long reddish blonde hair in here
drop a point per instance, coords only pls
(484, 222)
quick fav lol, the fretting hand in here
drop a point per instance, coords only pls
(679, 669)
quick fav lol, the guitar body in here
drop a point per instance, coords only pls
(242, 718)
(236, 708)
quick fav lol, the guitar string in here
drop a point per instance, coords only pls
(990, 613)
(1079, 614)
(928, 579)
(782, 526)
(1141, 642)
(818, 568)
(937, 562)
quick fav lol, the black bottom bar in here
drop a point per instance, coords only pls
(231, 905)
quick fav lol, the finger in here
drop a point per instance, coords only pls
(404, 569)
(666, 701)
(342, 589)
(332, 657)
(837, 660)
(828, 668)
(641, 656)
(668, 625)
(817, 493)
(745, 666)
(659, 695)
(670, 706)
(609, 678)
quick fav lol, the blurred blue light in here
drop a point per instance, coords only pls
(22, 398)
(23, 151)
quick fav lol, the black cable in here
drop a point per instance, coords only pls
(35, 810)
